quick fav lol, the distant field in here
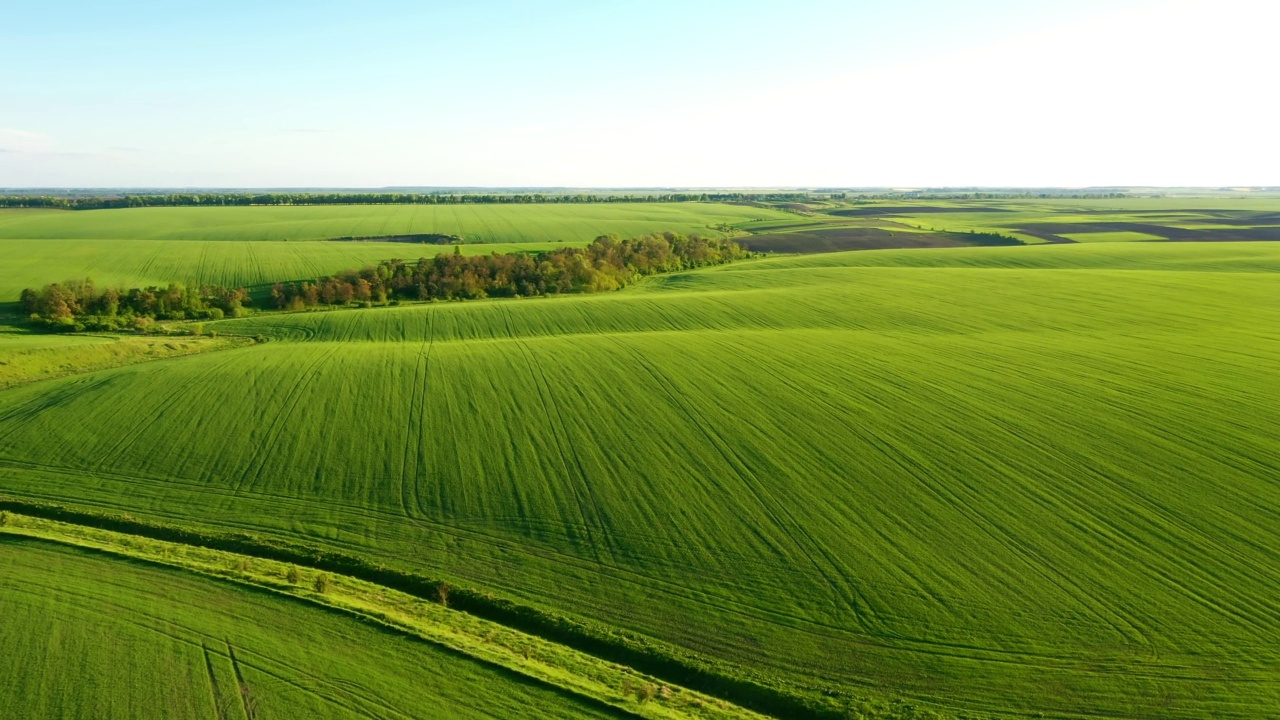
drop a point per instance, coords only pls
(234, 246)
(92, 637)
(1031, 220)
(132, 263)
(1110, 237)
(1008, 480)
(473, 223)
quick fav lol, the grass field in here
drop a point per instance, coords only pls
(1110, 237)
(134, 263)
(1008, 480)
(474, 223)
(88, 636)
(243, 245)
(28, 358)
(1033, 221)
(584, 685)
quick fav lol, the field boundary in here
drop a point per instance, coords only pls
(609, 686)
(717, 681)
(641, 655)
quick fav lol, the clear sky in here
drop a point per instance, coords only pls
(630, 93)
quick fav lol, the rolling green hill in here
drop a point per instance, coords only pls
(1008, 480)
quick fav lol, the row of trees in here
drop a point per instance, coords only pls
(353, 198)
(80, 305)
(608, 263)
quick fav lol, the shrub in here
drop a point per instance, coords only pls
(322, 583)
(442, 592)
(4, 518)
(292, 575)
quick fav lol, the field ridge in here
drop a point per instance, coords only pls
(706, 681)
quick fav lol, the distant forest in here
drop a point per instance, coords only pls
(245, 199)
(608, 263)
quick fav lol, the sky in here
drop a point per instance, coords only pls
(630, 93)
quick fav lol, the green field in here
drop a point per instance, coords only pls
(474, 223)
(134, 263)
(1110, 237)
(91, 637)
(1003, 480)
(243, 245)
(1035, 221)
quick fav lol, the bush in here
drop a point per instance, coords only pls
(322, 583)
(292, 575)
(4, 518)
(645, 692)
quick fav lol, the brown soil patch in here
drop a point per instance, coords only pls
(839, 239)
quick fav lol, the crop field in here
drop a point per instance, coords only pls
(1001, 480)
(134, 263)
(236, 246)
(1033, 221)
(473, 223)
(87, 636)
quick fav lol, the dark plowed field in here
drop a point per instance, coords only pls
(853, 238)
(1053, 230)
(911, 210)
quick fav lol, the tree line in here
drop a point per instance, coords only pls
(79, 305)
(344, 198)
(608, 263)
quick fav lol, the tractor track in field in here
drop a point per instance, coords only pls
(242, 689)
(343, 696)
(265, 446)
(1001, 536)
(219, 712)
(807, 626)
(563, 440)
(815, 628)
(197, 639)
(137, 429)
(410, 502)
(845, 586)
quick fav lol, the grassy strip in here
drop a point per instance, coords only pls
(582, 674)
(664, 663)
(27, 365)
